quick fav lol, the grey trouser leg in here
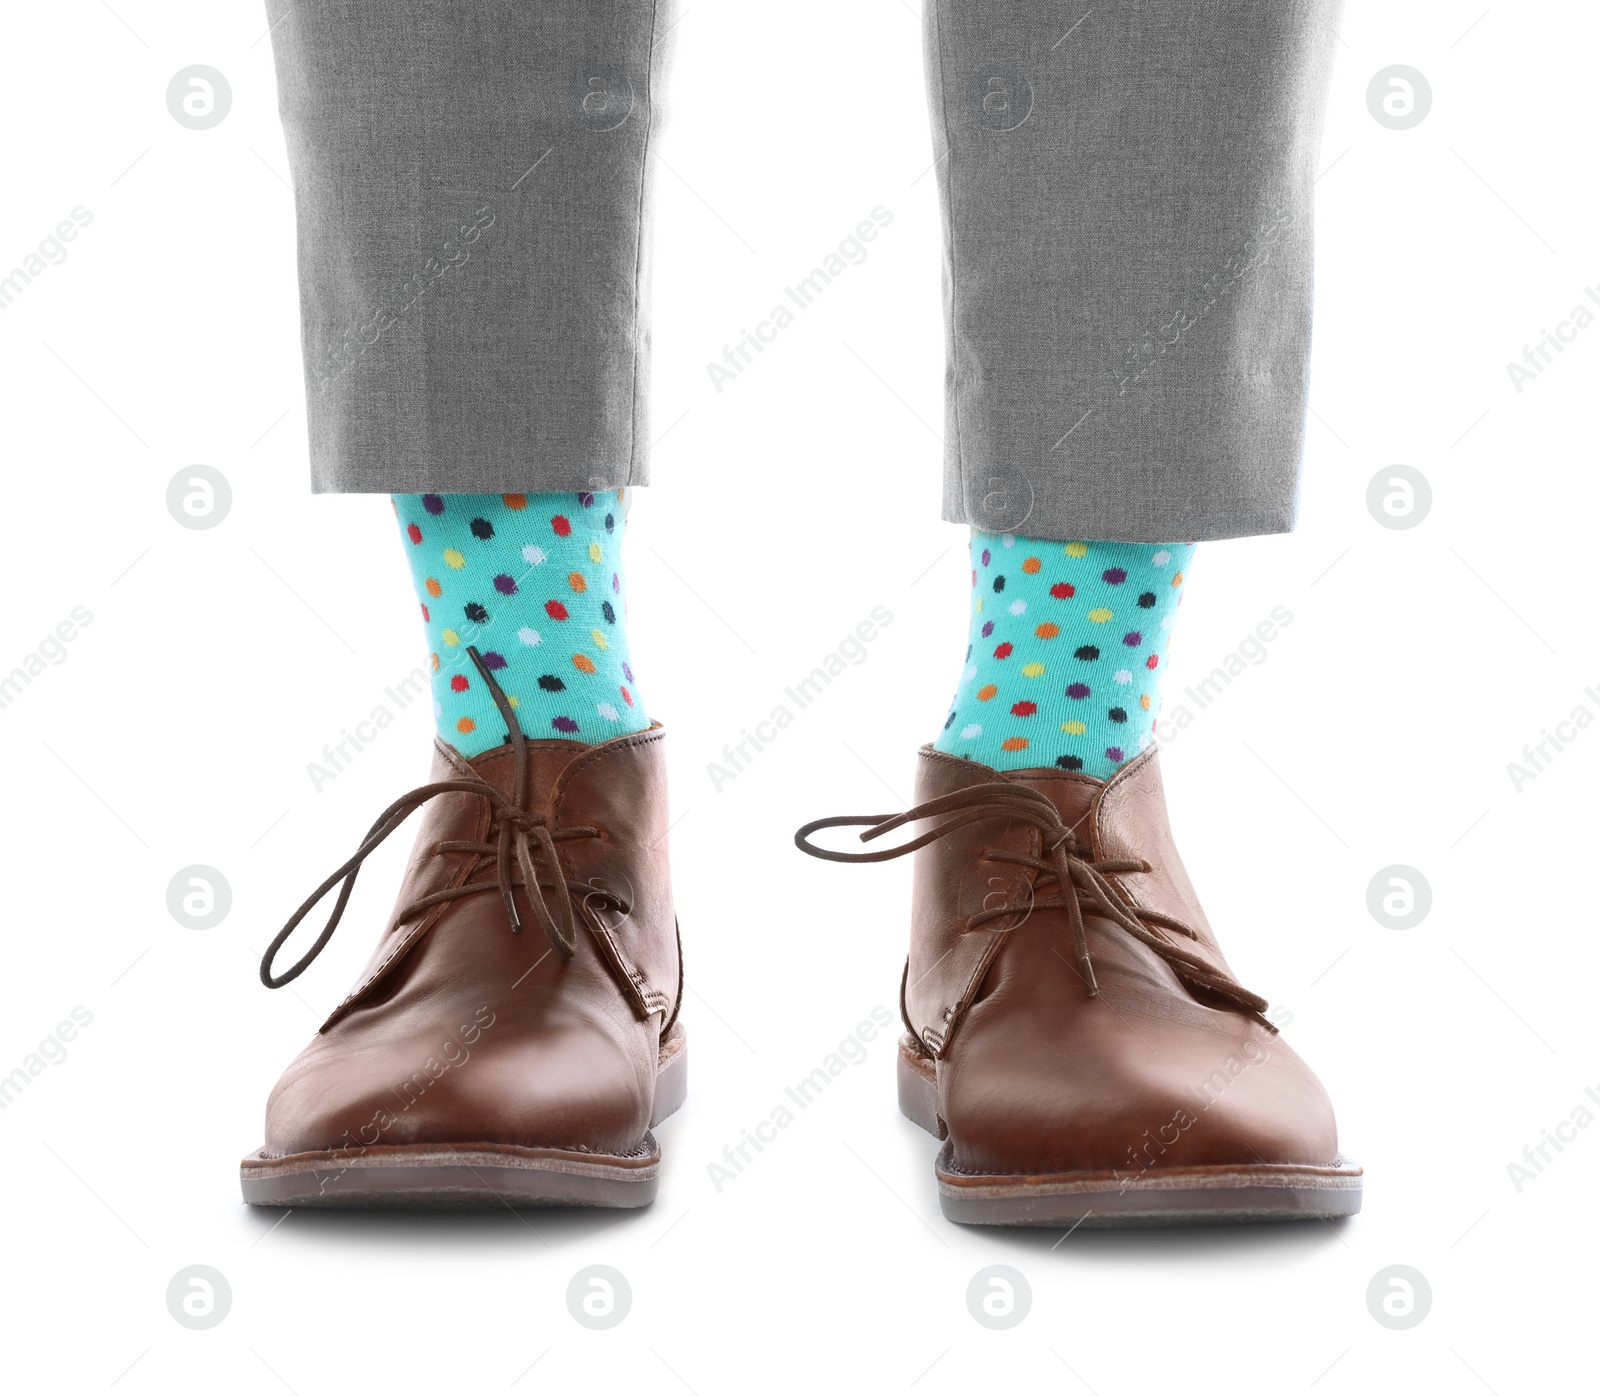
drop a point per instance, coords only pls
(1127, 271)
(1127, 260)
(472, 193)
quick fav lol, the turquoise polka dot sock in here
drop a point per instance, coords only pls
(1067, 652)
(535, 582)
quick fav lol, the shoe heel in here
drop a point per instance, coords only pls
(918, 1087)
(672, 1076)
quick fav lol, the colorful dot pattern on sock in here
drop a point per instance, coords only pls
(1067, 652)
(536, 583)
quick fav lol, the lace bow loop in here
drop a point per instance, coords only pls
(514, 831)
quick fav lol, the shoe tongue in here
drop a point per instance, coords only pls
(546, 761)
(1072, 795)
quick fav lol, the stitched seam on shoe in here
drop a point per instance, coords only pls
(569, 773)
(650, 998)
(453, 1145)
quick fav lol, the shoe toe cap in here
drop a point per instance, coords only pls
(568, 1086)
(1220, 1099)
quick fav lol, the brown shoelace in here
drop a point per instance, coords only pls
(514, 834)
(1079, 880)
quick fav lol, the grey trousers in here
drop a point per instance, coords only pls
(1126, 194)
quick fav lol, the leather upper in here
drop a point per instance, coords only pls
(1035, 1075)
(461, 1031)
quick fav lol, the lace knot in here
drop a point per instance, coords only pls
(1069, 876)
(518, 842)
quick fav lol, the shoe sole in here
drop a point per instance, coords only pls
(1162, 1197)
(472, 1175)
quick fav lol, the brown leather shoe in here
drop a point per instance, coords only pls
(1088, 1058)
(515, 1035)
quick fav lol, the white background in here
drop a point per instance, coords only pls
(1377, 731)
